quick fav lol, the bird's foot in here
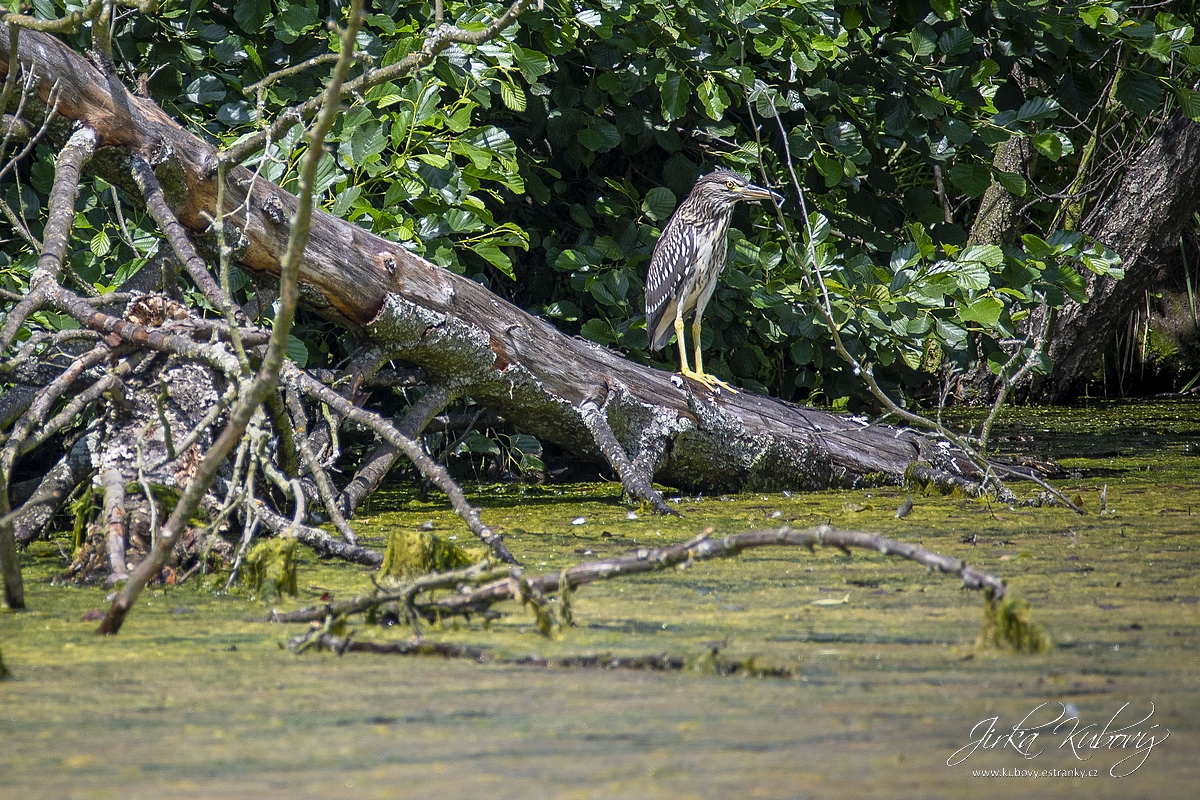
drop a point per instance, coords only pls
(711, 382)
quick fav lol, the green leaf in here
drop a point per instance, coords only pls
(843, 137)
(830, 168)
(327, 174)
(946, 9)
(972, 275)
(366, 140)
(495, 256)
(958, 131)
(659, 203)
(297, 351)
(345, 199)
(905, 256)
(596, 330)
(205, 89)
(989, 254)
(984, 310)
(1013, 182)
(1138, 92)
(1036, 246)
(494, 139)
(100, 244)
(1189, 102)
(599, 136)
(953, 335)
(923, 40)
(1047, 143)
(821, 227)
(530, 463)
(1093, 14)
(564, 310)
(532, 64)
(1102, 261)
(213, 33)
(1038, 108)
(571, 260)
(675, 93)
(482, 445)
(764, 104)
(955, 41)
(294, 19)
(590, 17)
(512, 96)
(234, 114)
(713, 99)
(974, 179)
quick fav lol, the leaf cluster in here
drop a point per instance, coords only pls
(544, 163)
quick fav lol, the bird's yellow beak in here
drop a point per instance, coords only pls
(754, 194)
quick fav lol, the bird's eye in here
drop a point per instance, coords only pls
(730, 185)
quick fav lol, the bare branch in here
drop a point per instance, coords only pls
(114, 514)
(436, 473)
(68, 24)
(295, 69)
(320, 541)
(635, 482)
(29, 520)
(325, 487)
(10, 565)
(268, 374)
(175, 234)
(657, 559)
(60, 220)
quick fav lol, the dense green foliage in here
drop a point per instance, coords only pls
(545, 162)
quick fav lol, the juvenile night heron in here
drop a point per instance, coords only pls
(688, 259)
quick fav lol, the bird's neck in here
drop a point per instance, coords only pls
(694, 212)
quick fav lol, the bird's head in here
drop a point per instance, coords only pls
(727, 186)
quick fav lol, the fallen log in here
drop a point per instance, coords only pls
(562, 389)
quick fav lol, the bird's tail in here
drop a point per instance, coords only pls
(659, 329)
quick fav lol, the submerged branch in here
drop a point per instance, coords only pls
(709, 663)
(654, 560)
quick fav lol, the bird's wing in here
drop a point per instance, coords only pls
(668, 265)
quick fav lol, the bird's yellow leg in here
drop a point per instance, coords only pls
(711, 381)
(683, 365)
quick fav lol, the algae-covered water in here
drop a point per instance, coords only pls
(195, 700)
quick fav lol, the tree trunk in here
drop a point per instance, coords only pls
(1140, 221)
(473, 343)
(995, 219)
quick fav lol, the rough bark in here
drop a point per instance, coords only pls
(1140, 221)
(996, 217)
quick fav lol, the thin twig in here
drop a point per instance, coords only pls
(325, 486)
